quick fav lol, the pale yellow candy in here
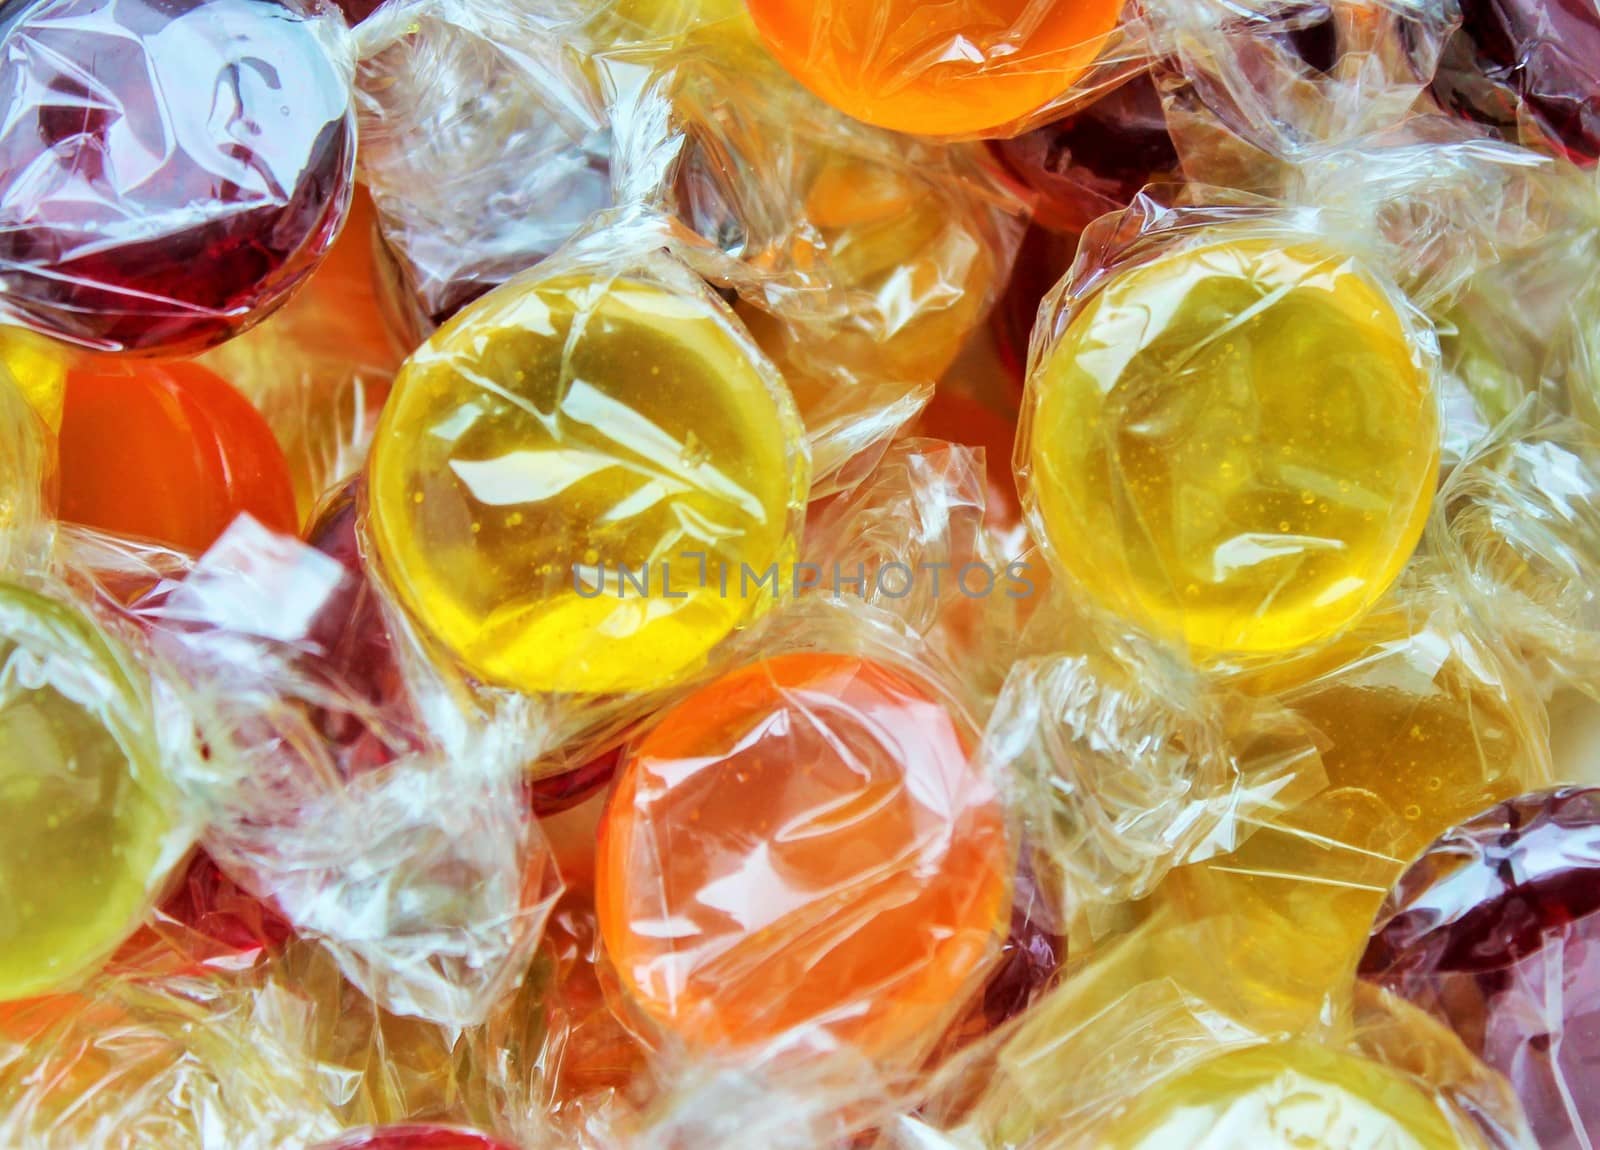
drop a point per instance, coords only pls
(1234, 445)
(89, 816)
(1283, 1096)
(558, 429)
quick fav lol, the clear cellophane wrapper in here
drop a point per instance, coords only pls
(862, 260)
(120, 236)
(457, 97)
(1254, 87)
(619, 286)
(395, 831)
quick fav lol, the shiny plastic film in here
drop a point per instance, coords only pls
(589, 479)
(1266, 83)
(790, 930)
(182, 188)
(394, 830)
(963, 69)
(1490, 931)
(97, 817)
(456, 97)
(862, 260)
(27, 476)
(1230, 436)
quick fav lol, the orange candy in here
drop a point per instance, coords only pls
(805, 840)
(168, 452)
(954, 68)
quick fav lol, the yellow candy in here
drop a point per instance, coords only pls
(39, 368)
(562, 429)
(1285, 1095)
(1234, 445)
(1416, 733)
(88, 816)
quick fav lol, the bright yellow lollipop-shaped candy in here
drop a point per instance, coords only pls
(583, 483)
(1234, 444)
(89, 816)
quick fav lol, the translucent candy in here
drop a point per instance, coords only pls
(167, 451)
(1233, 444)
(1095, 160)
(948, 69)
(804, 841)
(1545, 53)
(1418, 726)
(1493, 930)
(91, 820)
(414, 1138)
(1284, 1095)
(39, 367)
(557, 438)
(181, 190)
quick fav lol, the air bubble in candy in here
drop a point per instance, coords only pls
(1234, 444)
(579, 484)
(179, 189)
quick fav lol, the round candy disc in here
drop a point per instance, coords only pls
(169, 169)
(1234, 445)
(85, 806)
(936, 69)
(168, 451)
(579, 485)
(805, 840)
(1283, 1096)
(1495, 931)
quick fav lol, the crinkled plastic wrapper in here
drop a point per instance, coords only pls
(587, 482)
(1132, 1055)
(1230, 436)
(179, 193)
(859, 904)
(962, 69)
(1121, 764)
(418, 862)
(1492, 932)
(484, 141)
(862, 260)
(1267, 83)
(92, 758)
(319, 370)
(27, 475)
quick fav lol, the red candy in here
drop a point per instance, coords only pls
(414, 1138)
(178, 191)
(1094, 161)
(168, 452)
(1496, 931)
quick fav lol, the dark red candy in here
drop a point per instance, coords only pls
(1095, 160)
(1042, 260)
(414, 1138)
(1495, 931)
(1545, 53)
(170, 170)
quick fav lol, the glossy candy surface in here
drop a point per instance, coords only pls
(558, 429)
(414, 1138)
(178, 192)
(1495, 931)
(87, 810)
(1544, 52)
(1285, 1095)
(944, 69)
(1413, 735)
(1234, 444)
(803, 841)
(167, 451)
(1094, 161)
